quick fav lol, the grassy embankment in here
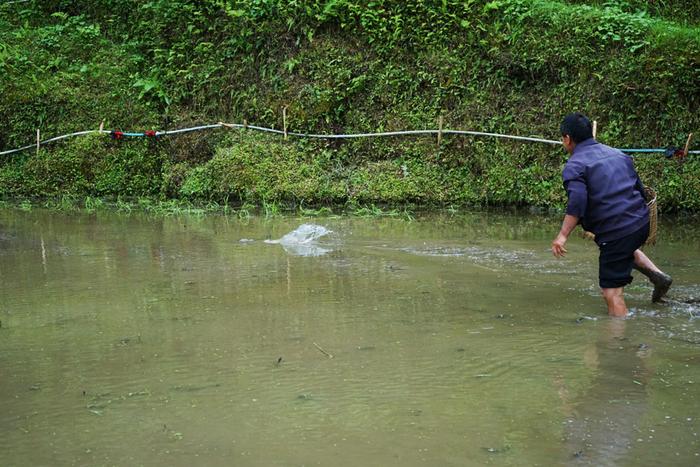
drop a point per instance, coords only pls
(511, 66)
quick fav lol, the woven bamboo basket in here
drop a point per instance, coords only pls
(650, 196)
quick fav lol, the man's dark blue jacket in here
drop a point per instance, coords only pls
(604, 191)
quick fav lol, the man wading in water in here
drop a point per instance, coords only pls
(607, 198)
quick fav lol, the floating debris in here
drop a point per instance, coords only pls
(499, 450)
(129, 339)
(194, 387)
(323, 351)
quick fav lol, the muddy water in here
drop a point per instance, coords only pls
(448, 340)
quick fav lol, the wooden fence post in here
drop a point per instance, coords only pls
(595, 128)
(687, 145)
(284, 120)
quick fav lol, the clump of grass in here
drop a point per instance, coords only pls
(64, 203)
(244, 212)
(271, 209)
(123, 206)
(25, 205)
(323, 211)
(93, 204)
(372, 210)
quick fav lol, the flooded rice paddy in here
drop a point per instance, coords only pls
(446, 340)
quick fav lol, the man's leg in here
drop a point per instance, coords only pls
(615, 301)
(661, 280)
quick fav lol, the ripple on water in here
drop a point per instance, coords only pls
(524, 260)
(677, 318)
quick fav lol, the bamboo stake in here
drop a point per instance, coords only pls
(284, 120)
(323, 351)
(687, 145)
(102, 125)
(38, 140)
(595, 128)
(439, 141)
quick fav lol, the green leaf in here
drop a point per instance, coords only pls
(491, 6)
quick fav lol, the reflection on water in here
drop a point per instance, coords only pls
(604, 423)
(456, 340)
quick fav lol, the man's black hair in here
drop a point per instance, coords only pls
(578, 126)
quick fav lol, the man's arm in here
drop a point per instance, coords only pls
(569, 224)
(577, 193)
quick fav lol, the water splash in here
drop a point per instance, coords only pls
(302, 240)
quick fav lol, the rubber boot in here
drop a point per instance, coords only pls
(662, 282)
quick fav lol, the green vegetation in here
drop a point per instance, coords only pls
(509, 66)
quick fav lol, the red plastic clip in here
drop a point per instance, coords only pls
(150, 133)
(115, 134)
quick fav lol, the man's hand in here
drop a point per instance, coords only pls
(558, 245)
(567, 226)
